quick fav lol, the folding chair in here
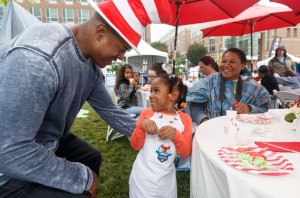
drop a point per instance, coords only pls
(182, 164)
(286, 97)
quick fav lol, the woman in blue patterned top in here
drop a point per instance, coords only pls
(210, 97)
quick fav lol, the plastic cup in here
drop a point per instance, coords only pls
(243, 136)
(231, 115)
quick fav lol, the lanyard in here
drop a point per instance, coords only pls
(237, 95)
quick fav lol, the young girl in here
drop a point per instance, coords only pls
(126, 91)
(136, 77)
(161, 132)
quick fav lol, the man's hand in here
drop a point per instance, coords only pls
(93, 189)
(149, 126)
(242, 108)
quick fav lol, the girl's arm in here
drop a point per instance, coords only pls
(125, 91)
(183, 141)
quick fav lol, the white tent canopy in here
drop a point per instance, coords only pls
(15, 20)
(148, 57)
(266, 61)
(146, 50)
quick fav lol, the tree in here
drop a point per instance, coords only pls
(179, 59)
(114, 67)
(160, 46)
(5, 2)
(195, 52)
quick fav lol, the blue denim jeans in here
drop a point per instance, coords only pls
(17, 188)
(73, 149)
(134, 110)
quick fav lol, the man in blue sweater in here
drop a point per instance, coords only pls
(47, 73)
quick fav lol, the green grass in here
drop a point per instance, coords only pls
(117, 158)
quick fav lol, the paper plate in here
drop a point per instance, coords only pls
(252, 118)
(278, 165)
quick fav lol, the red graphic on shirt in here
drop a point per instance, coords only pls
(165, 148)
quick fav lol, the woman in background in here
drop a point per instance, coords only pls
(154, 71)
(208, 65)
(281, 62)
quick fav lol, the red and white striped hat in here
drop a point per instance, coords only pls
(130, 17)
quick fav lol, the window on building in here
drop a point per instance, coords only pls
(83, 15)
(82, 0)
(266, 41)
(52, 14)
(288, 32)
(35, 11)
(246, 46)
(68, 15)
(241, 46)
(212, 45)
(68, 1)
(295, 32)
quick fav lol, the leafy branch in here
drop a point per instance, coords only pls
(5, 2)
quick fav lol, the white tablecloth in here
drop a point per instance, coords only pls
(213, 178)
(143, 98)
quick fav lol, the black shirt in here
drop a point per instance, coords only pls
(270, 83)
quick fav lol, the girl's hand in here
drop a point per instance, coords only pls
(132, 81)
(149, 126)
(138, 87)
(166, 132)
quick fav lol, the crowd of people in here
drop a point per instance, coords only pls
(280, 72)
(39, 155)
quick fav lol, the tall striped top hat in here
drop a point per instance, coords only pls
(130, 17)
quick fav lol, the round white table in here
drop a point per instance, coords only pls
(213, 178)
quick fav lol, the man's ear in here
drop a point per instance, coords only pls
(101, 30)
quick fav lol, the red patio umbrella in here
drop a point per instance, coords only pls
(187, 12)
(254, 19)
(293, 4)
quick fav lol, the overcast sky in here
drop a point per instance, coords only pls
(159, 30)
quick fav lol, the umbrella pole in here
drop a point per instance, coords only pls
(251, 38)
(178, 4)
(174, 51)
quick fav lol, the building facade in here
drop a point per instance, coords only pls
(262, 42)
(76, 11)
(59, 11)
